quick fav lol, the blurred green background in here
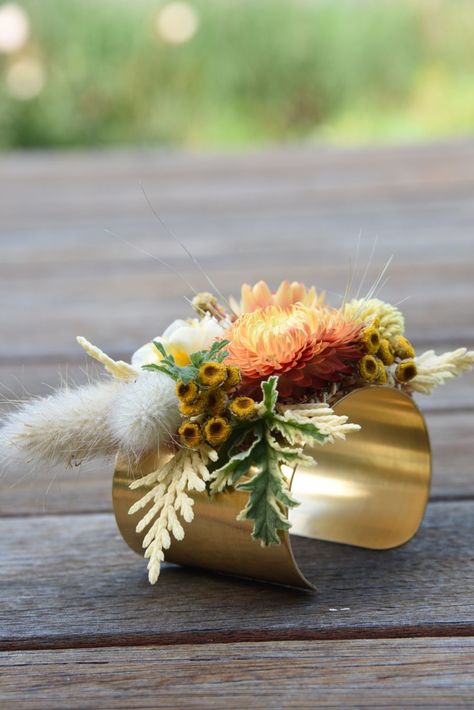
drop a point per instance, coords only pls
(231, 73)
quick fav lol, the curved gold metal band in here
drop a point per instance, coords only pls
(370, 491)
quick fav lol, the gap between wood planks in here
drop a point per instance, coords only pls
(100, 600)
(451, 630)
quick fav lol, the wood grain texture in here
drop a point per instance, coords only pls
(120, 312)
(364, 673)
(385, 629)
(70, 581)
(304, 207)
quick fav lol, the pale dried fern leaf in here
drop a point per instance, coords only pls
(320, 414)
(169, 497)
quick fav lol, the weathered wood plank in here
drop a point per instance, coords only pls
(327, 238)
(360, 673)
(70, 581)
(451, 440)
(304, 207)
(68, 196)
(120, 311)
(333, 171)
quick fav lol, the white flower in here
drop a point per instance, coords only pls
(180, 339)
(391, 320)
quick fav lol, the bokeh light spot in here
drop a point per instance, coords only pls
(14, 27)
(177, 22)
(25, 78)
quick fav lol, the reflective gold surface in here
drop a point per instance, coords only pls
(215, 539)
(370, 490)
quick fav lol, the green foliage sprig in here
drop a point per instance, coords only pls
(262, 446)
(187, 373)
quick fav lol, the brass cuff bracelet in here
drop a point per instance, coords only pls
(252, 426)
(369, 491)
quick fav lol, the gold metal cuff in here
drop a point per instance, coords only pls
(369, 491)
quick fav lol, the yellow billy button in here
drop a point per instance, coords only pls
(371, 339)
(368, 368)
(195, 408)
(187, 392)
(381, 373)
(212, 374)
(402, 347)
(216, 402)
(385, 352)
(405, 371)
(190, 434)
(216, 430)
(233, 377)
(242, 407)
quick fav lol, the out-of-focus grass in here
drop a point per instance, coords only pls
(255, 72)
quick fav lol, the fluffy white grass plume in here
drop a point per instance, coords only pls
(75, 425)
(434, 370)
(67, 427)
(145, 413)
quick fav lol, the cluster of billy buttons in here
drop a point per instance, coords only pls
(384, 359)
(207, 406)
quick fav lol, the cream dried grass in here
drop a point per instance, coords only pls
(67, 427)
(434, 370)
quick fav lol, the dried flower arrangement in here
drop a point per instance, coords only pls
(235, 394)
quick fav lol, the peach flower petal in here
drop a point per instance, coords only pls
(307, 347)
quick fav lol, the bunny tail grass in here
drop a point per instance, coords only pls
(145, 414)
(68, 427)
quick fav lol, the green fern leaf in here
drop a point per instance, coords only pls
(270, 394)
(238, 464)
(269, 495)
(263, 447)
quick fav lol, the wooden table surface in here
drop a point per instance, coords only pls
(79, 625)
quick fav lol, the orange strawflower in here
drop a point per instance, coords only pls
(287, 294)
(307, 347)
